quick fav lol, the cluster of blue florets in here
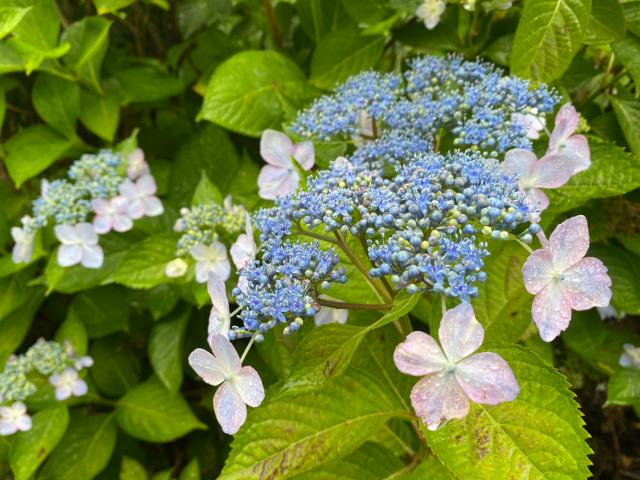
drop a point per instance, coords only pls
(99, 175)
(282, 286)
(437, 99)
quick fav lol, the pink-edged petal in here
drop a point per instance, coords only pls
(230, 410)
(274, 182)
(552, 171)
(219, 318)
(419, 355)
(152, 206)
(146, 185)
(206, 366)
(249, 386)
(551, 311)
(243, 251)
(304, 154)
(521, 163)
(122, 223)
(102, 224)
(66, 234)
(276, 148)
(536, 199)
(588, 284)
(128, 189)
(135, 209)
(439, 397)
(225, 353)
(92, 256)
(569, 242)
(486, 378)
(69, 255)
(577, 147)
(566, 123)
(101, 206)
(460, 333)
(537, 271)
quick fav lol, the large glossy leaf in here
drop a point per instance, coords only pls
(548, 36)
(165, 348)
(15, 326)
(102, 310)
(254, 90)
(624, 270)
(627, 112)
(57, 101)
(540, 435)
(10, 17)
(607, 22)
(143, 265)
(100, 114)
(624, 387)
(116, 368)
(318, 17)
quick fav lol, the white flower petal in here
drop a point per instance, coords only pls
(249, 386)
(551, 311)
(419, 355)
(304, 155)
(66, 234)
(460, 333)
(274, 182)
(439, 397)
(486, 378)
(276, 149)
(69, 255)
(225, 353)
(230, 410)
(92, 256)
(206, 366)
(537, 271)
(569, 242)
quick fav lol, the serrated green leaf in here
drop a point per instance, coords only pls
(32, 150)
(84, 450)
(206, 192)
(539, 435)
(57, 101)
(131, 469)
(10, 17)
(143, 265)
(549, 34)
(607, 23)
(152, 413)
(624, 269)
(624, 387)
(32, 447)
(100, 114)
(613, 172)
(165, 348)
(253, 91)
(102, 310)
(116, 368)
(430, 468)
(628, 114)
(343, 53)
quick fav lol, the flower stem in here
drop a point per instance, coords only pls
(443, 303)
(355, 306)
(524, 245)
(317, 236)
(246, 350)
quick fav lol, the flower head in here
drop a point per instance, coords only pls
(219, 318)
(67, 384)
(111, 215)
(140, 197)
(23, 249)
(430, 12)
(630, 357)
(244, 249)
(280, 177)
(14, 418)
(79, 245)
(239, 386)
(211, 259)
(563, 279)
(564, 142)
(452, 375)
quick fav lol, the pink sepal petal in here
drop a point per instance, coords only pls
(566, 123)
(439, 397)
(304, 154)
(578, 148)
(460, 333)
(419, 355)
(206, 366)
(486, 378)
(569, 242)
(536, 199)
(225, 353)
(249, 386)
(588, 284)
(274, 182)
(537, 271)
(553, 171)
(69, 255)
(551, 311)
(520, 162)
(276, 148)
(230, 410)
(92, 256)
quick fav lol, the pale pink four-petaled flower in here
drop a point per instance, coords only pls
(211, 259)
(22, 251)
(14, 418)
(280, 176)
(137, 166)
(219, 318)
(564, 141)
(79, 245)
(239, 386)
(563, 279)
(140, 197)
(67, 384)
(452, 375)
(244, 250)
(111, 214)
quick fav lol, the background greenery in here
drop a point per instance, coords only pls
(196, 82)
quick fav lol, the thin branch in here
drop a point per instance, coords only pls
(354, 306)
(273, 23)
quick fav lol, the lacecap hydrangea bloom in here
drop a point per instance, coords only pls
(100, 193)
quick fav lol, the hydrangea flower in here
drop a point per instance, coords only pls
(176, 268)
(551, 171)
(239, 386)
(140, 197)
(67, 384)
(430, 12)
(563, 279)
(630, 357)
(219, 318)
(244, 249)
(280, 177)
(111, 214)
(23, 249)
(79, 245)
(14, 418)
(452, 375)
(564, 142)
(137, 166)
(211, 259)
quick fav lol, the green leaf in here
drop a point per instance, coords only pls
(194, 14)
(13, 292)
(31, 448)
(100, 114)
(116, 368)
(343, 53)
(549, 34)
(503, 304)
(632, 16)
(624, 270)
(624, 387)
(73, 331)
(57, 101)
(627, 52)
(613, 172)
(191, 471)
(146, 84)
(210, 152)
(131, 469)
(143, 265)
(607, 22)
(110, 6)
(253, 91)
(89, 39)
(538, 435)
(206, 192)
(15, 326)
(292, 435)
(102, 310)
(165, 348)
(10, 17)
(430, 468)
(318, 17)
(628, 114)
(84, 450)
(32, 150)
(10, 60)
(152, 413)
(402, 305)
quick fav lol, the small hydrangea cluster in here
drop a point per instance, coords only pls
(47, 359)
(102, 192)
(437, 99)
(430, 11)
(201, 227)
(282, 286)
